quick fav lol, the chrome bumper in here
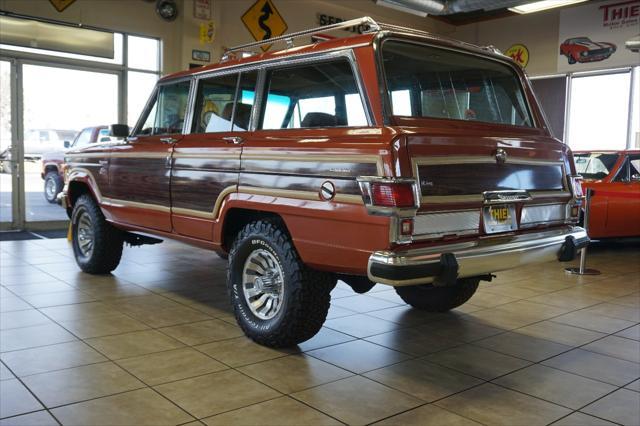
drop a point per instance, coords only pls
(473, 258)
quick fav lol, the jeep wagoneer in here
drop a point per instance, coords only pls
(394, 157)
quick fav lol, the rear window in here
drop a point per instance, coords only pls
(595, 165)
(425, 81)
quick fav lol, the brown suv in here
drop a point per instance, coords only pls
(392, 157)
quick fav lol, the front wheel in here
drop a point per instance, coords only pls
(277, 300)
(430, 298)
(52, 186)
(97, 245)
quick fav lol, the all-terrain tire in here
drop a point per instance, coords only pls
(53, 179)
(305, 297)
(107, 243)
(430, 298)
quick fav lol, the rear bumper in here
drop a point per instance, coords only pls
(444, 263)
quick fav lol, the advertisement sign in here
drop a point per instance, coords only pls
(592, 36)
(519, 53)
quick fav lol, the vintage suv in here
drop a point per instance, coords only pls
(394, 157)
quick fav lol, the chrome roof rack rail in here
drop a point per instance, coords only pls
(288, 38)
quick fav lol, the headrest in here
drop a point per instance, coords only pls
(243, 115)
(319, 119)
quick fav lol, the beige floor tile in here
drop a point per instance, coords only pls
(490, 300)
(104, 325)
(357, 400)
(555, 386)
(215, 393)
(423, 380)
(616, 311)
(514, 291)
(50, 358)
(78, 311)
(405, 315)
(501, 318)
(51, 286)
(140, 407)
(477, 361)
(622, 406)
(358, 356)
(459, 328)
(169, 366)
(493, 405)
(197, 333)
(39, 418)
(428, 415)
(133, 344)
(414, 341)
(362, 303)
(58, 298)
(630, 333)
(160, 317)
(324, 338)
(560, 333)
(361, 325)
(563, 300)
(16, 399)
(76, 384)
(30, 337)
(631, 300)
(635, 385)
(18, 319)
(5, 373)
(538, 311)
(240, 351)
(338, 312)
(294, 373)
(596, 366)
(618, 347)
(523, 346)
(13, 303)
(593, 321)
(579, 419)
(276, 412)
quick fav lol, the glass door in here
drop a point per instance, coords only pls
(9, 191)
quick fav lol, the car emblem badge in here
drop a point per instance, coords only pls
(327, 191)
(501, 156)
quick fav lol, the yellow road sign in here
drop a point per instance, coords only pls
(61, 5)
(264, 21)
(519, 53)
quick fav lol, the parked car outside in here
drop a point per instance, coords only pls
(582, 49)
(345, 159)
(40, 141)
(53, 161)
(614, 178)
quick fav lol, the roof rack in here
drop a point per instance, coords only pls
(288, 38)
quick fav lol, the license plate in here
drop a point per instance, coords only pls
(500, 218)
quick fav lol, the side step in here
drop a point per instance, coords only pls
(135, 240)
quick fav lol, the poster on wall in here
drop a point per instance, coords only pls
(593, 36)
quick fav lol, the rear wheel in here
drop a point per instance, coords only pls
(430, 298)
(97, 245)
(52, 186)
(277, 300)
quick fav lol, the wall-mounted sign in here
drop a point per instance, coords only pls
(202, 9)
(264, 21)
(207, 32)
(61, 5)
(201, 55)
(593, 35)
(519, 53)
(328, 20)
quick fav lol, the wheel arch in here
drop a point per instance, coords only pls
(236, 218)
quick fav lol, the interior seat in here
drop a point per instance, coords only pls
(319, 119)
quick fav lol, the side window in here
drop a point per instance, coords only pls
(214, 104)
(245, 101)
(623, 173)
(317, 95)
(84, 138)
(166, 116)
(629, 169)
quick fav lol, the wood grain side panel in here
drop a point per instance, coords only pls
(199, 189)
(142, 180)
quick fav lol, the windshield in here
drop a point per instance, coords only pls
(595, 165)
(425, 81)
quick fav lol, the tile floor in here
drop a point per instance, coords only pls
(156, 344)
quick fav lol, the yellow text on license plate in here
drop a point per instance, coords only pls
(500, 214)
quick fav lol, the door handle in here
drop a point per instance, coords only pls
(168, 140)
(236, 140)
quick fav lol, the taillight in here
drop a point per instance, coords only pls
(575, 182)
(398, 195)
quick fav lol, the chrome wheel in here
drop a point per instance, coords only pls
(50, 189)
(85, 234)
(263, 284)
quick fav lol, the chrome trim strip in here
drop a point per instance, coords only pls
(438, 224)
(300, 195)
(543, 213)
(481, 256)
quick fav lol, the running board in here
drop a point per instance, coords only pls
(135, 240)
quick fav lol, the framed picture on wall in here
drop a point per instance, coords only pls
(201, 55)
(202, 9)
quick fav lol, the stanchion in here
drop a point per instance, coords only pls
(583, 270)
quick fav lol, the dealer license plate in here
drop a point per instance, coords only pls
(500, 218)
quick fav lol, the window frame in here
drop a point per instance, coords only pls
(387, 109)
(151, 102)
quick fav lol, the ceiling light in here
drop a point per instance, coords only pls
(392, 5)
(538, 6)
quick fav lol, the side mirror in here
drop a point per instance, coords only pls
(635, 177)
(119, 130)
(67, 144)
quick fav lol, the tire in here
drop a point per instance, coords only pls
(300, 296)
(571, 59)
(102, 254)
(439, 299)
(52, 186)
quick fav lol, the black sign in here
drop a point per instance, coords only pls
(328, 20)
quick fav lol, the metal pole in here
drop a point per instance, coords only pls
(583, 270)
